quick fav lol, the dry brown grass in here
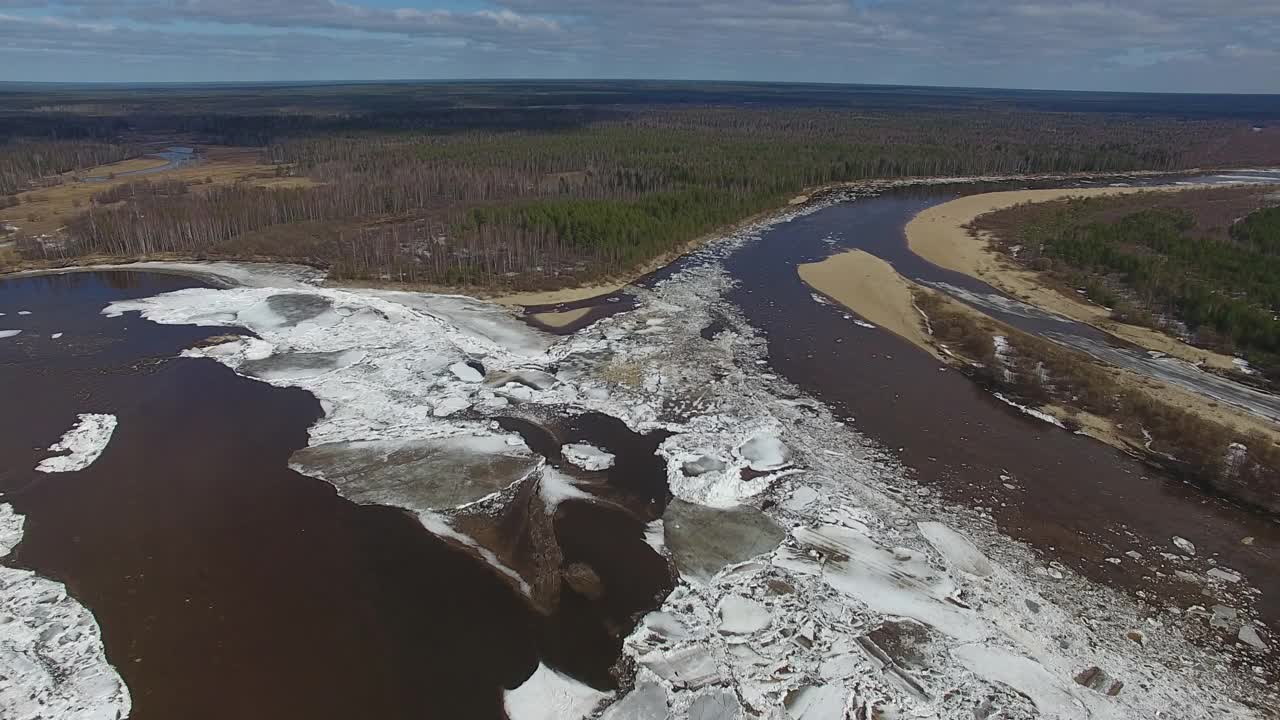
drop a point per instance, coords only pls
(45, 211)
(130, 165)
(623, 372)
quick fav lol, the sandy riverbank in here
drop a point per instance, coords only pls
(870, 287)
(874, 290)
(939, 235)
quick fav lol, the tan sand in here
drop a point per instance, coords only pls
(560, 319)
(130, 165)
(555, 297)
(939, 235)
(870, 287)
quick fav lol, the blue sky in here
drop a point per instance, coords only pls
(1158, 45)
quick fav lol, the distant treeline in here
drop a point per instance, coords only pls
(540, 196)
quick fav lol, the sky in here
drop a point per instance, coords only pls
(1151, 45)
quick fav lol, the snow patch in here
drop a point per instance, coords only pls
(1037, 414)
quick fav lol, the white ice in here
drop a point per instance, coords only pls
(588, 457)
(555, 487)
(83, 443)
(549, 695)
(9, 333)
(1051, 696)
(52, 662)
(956, 548)
(1037, 414)
(743, 616)
(885, 581)
(764, 452)
(465, 372)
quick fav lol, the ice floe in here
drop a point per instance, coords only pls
(9, 333)
(588, 457)
(83, 443)
(52, 661)
(549, 695)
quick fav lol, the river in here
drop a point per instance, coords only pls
(228, 585)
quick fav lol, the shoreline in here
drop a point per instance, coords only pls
(870, 287)
(807, 198)
(940, 234)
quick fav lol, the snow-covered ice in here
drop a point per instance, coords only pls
(1184, 545)
(83, 443)
(764, 452)
(743, 616)
(52, 661)
(549, 695)
(588, 457)
(9, 333)
(959, 552)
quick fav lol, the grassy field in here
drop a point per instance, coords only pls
(46, 210)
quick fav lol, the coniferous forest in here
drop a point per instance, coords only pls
(1204, 265)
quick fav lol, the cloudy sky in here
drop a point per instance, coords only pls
(1163, 45)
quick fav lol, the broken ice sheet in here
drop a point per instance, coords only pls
(418, 474)
(886, 582)
(743, 616)
(1027, 676)
(703, 541)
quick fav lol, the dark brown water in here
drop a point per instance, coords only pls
(227, 585)
(1077, 500)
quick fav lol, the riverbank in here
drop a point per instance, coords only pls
(1166, 425)
(941, 235)
(55, 208)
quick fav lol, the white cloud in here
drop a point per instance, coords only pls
(1080, 43)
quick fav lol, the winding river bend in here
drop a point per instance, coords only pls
(228, 585)
(1079, 501)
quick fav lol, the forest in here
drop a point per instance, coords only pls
(513, 185)
(1203, 264)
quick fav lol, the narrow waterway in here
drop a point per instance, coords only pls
(1078, 500)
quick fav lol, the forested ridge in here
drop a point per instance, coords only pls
(1166, 267)
(431, 189)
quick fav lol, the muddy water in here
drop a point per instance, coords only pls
(1078, 500)
(227, 585)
